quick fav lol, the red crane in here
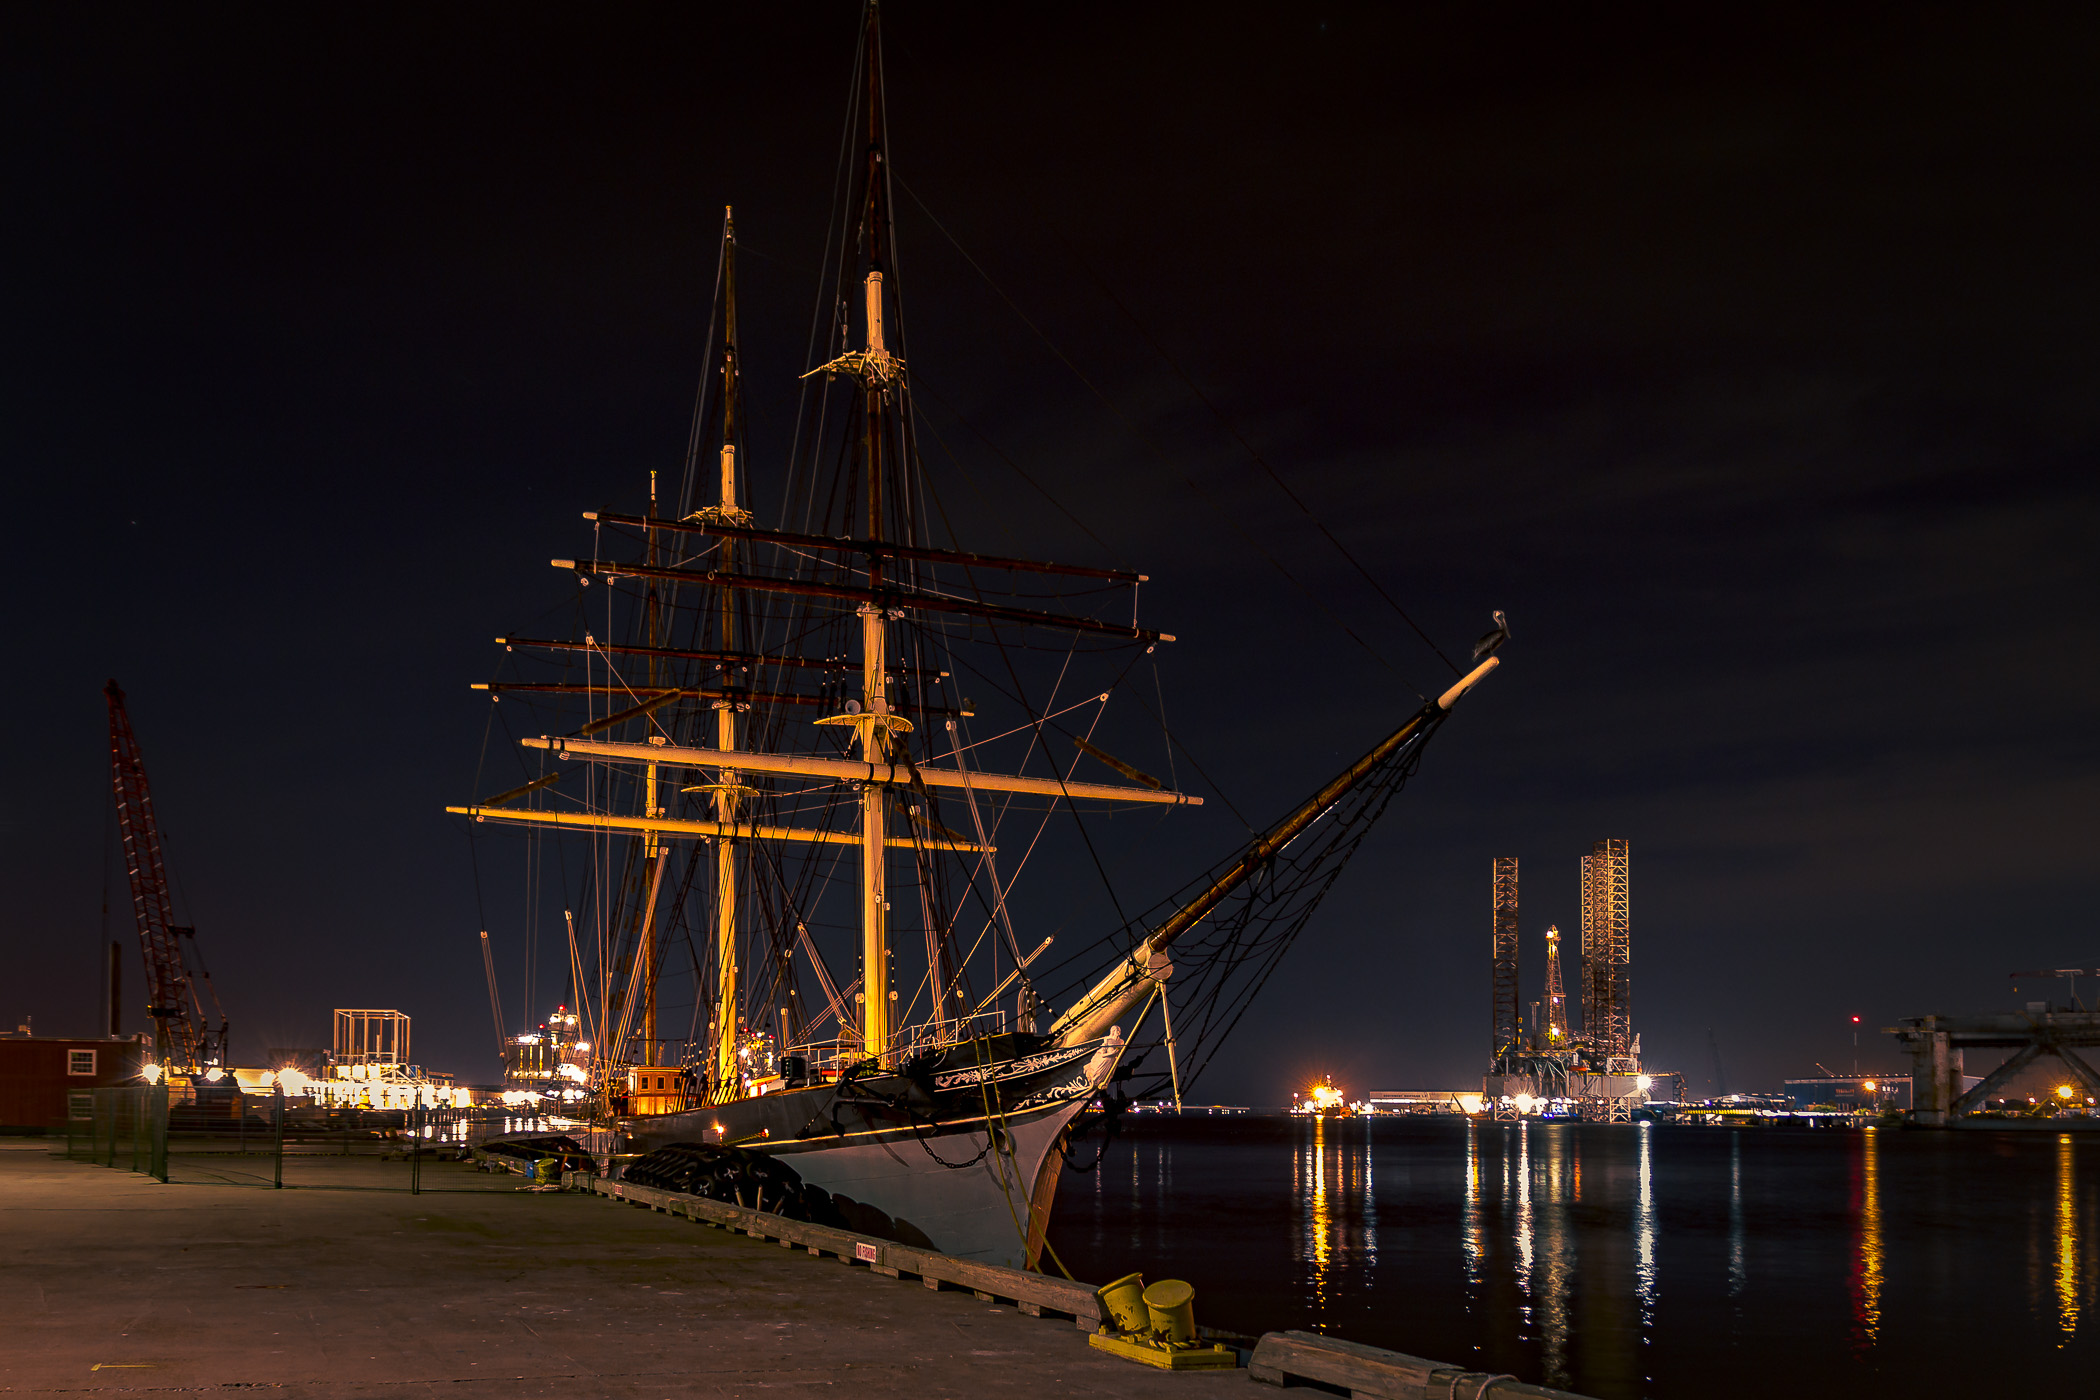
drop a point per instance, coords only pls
(178, 987)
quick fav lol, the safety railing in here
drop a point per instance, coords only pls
(126, 1126)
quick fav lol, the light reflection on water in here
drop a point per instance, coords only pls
(1866, 1271)
(1333, 1187)
(2068, 1284)
(1621, 1261)
(1738, 1270)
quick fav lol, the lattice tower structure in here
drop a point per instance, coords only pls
(1508, 1024)
(179, 997)
(1591, 1026)
(1557, 1034)
(370, 1037)
(1607, 1009)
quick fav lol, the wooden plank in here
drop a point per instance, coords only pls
(988, 1281)
(1376, 1374)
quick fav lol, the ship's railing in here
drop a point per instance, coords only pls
(851, 1050)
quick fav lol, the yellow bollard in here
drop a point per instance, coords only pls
(1171, 1305)
(1123, 1304)
(1163, 1334)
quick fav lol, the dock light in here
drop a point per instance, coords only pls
(2063, 1091)
(214, 1074)
(1647, 1082)
(1868, 1086)
(1526, 1103)
(151, 1073)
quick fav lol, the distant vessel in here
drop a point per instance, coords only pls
(773, 753)
(1323, 1100)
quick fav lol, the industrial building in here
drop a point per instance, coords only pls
(45, 1080)
(1543, 1064)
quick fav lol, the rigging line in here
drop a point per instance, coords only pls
(707, 360)
(919, 381)
(985, 865)
(473, 853)
(1172, 781)
(1034, 840)
(1159, 451)
(1054, 714)
(1102, 286)
(1174, 742)
(829, 270)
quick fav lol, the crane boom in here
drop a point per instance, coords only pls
(176, 992)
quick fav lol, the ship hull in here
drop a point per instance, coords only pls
(959, 1157)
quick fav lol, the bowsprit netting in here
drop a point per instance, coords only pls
(1222, 962)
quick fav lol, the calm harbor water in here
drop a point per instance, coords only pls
(1622, 1261)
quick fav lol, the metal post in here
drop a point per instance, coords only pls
(157, 1105)
(278, 1105)
(415, 1150)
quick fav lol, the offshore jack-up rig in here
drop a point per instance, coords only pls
(1543, 1068)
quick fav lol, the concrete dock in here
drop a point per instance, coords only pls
(343, 1284)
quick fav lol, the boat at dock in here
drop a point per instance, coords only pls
(761, 727)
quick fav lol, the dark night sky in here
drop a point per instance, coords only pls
(1752, 369)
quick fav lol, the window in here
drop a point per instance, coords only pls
(80, 1062)
(80, 1103)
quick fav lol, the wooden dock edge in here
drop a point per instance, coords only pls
(1369, 1373)
(1034, 1294)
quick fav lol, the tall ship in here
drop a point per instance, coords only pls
(812, 749)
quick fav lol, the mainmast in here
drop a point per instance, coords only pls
(874, 732)
(877, 370)
(877, 570)
(728, 787)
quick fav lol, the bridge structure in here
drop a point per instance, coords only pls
(1936, 1045)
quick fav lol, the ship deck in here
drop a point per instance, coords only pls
(343, 1284)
